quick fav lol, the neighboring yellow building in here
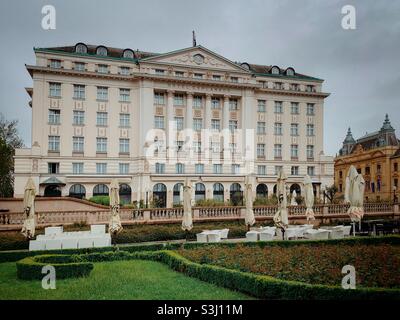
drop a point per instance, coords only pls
(376, 156)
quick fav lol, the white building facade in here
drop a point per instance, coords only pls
(151, 120)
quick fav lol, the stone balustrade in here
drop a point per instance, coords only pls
(9, 219)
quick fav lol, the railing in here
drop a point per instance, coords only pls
(9, 219)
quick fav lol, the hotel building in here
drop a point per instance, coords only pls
(151, 120)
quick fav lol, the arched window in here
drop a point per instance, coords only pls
(295, 187)
(218, 192)
(128, 54)
(290, 72)
(275, 189)
(200, 192)
(52, 191)
(236, 194)
(160, 195)
(101, 51)
(262, 191)
(100, 190)
(125, 193)
(275, 70)
(80, 48)
(77, 191)
(177, 193)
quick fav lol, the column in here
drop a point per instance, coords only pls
(189, 110)
(225, 124)
(170, 119)
(207, 116)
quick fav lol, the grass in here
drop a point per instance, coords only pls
(136, 279)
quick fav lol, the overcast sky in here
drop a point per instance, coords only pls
(361, 67)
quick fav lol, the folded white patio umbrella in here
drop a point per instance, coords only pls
(28, 228)
(281, 216)
(249, 218)
(354, 194)
(293, 200)
(187, 222)
(309, 197)
(115, 225)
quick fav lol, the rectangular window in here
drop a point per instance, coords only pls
(310, 130)
(179, 145)
(180, 168)
(235, 169)
(278, 169)
(198, 76)
(178, 123)
(55, 90)
(197, 146)
(310, 152)
(125, 71)
(53, 167)
(159, 71)
(278, 85)
(261, 127)
(124, 95)
(179, 73)
(294, 108)
(123, 168)
(261, 170)
(54, 116)
(216, 77)
(197, 102)
(295, 171)
(102, 68)
(79, 91)
(199, 168)
(79, 66)
(215, 103)
(310, 109)
(294, 151)
(54, 143)
(124, 120)
(101, 145)
(101, 118)
(235, 79)
(278, 107)
(294, 129)
(215, 124)
(179, 100)
(278, 129)
(160, 167)
(124, 145)
(261, 106)
(294, 87)
(310, 88)
(55, 63)
(233, 104)
(159, 98)
(101, 168)
(215, 147)
(217, 168)
(197, 124)
(278, 151)
(77, 167)
(260, 150)
(233, 125)
(102, 93)
(78, 117)
(77, 144)
(311, 171)
(232, 147)
(159, 122)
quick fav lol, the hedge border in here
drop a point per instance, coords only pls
(30, 268)
(15, 255)
(259, 286)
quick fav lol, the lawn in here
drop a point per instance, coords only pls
(376, 265)
(134, 279)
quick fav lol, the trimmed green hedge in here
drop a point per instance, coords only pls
(260, 286)
(65, 266)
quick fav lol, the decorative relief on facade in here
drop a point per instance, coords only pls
(197, 113)
(124, 133)
(261, 117)
(35, 165)
(159, 111)
(215, 114)
(179, 112)
(101, 132)
(233, 115)
(102, 106)
(54, 130)
(78, 131)
(78, 105)
(124, 108)
(55, 103)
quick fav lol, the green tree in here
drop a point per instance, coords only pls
(9, 141)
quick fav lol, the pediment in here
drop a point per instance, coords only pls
(199, 57)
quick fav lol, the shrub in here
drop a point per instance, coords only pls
(31, 267)
(104, 200)
(210, 203)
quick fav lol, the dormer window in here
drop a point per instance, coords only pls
(102, 68)
(80, 48)
(101, 51)
(275, 70)
(246, 66)
(290, 72)
(128, 54)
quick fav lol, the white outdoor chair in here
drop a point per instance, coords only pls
(98, 229)
(252, 235)
(53, 244)
(85, 243)
(69, 243)
(53, 230)
(102, 242)
(320, 234)
(294, 232)
(35, 245)
(267, 234)
(201, 237)
(214, 237)
(346, 231)
(224, 233)
(336, 233)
